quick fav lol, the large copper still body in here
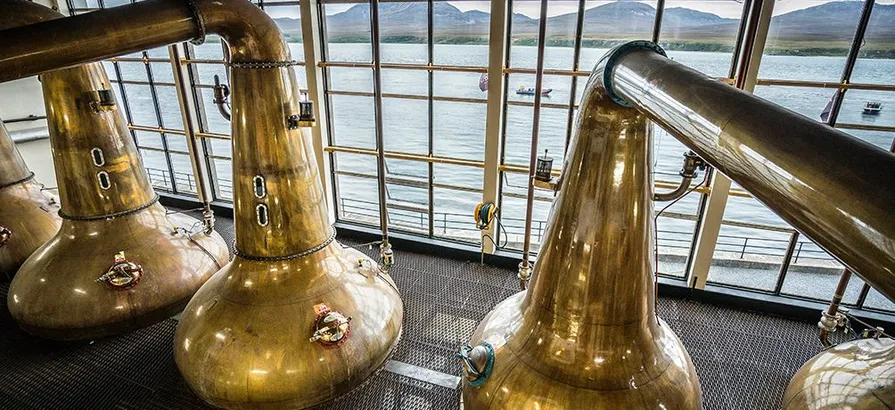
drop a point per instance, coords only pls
(28, 216)
(586, 334)
(119, 261)
(296, 318)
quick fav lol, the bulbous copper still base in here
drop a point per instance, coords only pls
(28, 219)
(854, 375)
(251, 337)
(618, 373)
(61, 292)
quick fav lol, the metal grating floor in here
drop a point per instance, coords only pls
(744, 359)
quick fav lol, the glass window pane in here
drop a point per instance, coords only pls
(452, 214)
(141, 105)
(406, 125)
(222, 171)
(876, 300)
(288, 19)
(458, 85)
(809, 102)
(884, 140)
(674, 237)
(814, 274)
(809, 40)
(358, 194)
(459, 130)
(156, 165)
(149, 139)
(461, 32)
(350, 79)
(852, 110)
(162, 72)
(348, 31)
(353, 121)
(551, 137)
(133, 71)
(170, 107)
(412, 82)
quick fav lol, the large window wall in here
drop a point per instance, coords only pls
(447, 78)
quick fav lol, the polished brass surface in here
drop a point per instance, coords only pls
(244, 341)
(852, 375)
(12, 166)
(586, 334)
(834, 188)
(108, 207)
(56, 294)
(28, 216)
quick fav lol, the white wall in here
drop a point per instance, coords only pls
(21, 98)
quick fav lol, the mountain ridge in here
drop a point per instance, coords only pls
(825, 28)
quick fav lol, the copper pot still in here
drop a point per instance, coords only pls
(586, 332)
(28, 214)
(120, 261)
(295, 319)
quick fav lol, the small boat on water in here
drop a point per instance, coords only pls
(873, 107)
(523, 90)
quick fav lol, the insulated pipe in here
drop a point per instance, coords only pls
(832, 187)
(102, 34)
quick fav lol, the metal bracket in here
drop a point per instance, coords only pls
(386, 256)
(524, 274)
(614, 55)
(331, 328)
(122, 275)
(477, 362)
(5, 234)
(101, 101)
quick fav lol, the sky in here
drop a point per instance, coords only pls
(531, 8)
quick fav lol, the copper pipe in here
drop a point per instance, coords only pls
(834, 188)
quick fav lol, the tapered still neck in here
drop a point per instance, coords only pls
(596, 264)
(12, 166)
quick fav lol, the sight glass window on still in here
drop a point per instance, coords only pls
(430, 204)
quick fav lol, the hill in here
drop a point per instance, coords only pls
(822, 29)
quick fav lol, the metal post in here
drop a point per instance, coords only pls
(830, 318)
(657, 23)
(576, 63)
(753, 41)
(850, 61)
(525, 266)
(430, 43)
(312, 38)
(385, 247)
(196, 151)
(497, 54)
(787, 257)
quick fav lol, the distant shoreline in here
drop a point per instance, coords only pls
(679, 45)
